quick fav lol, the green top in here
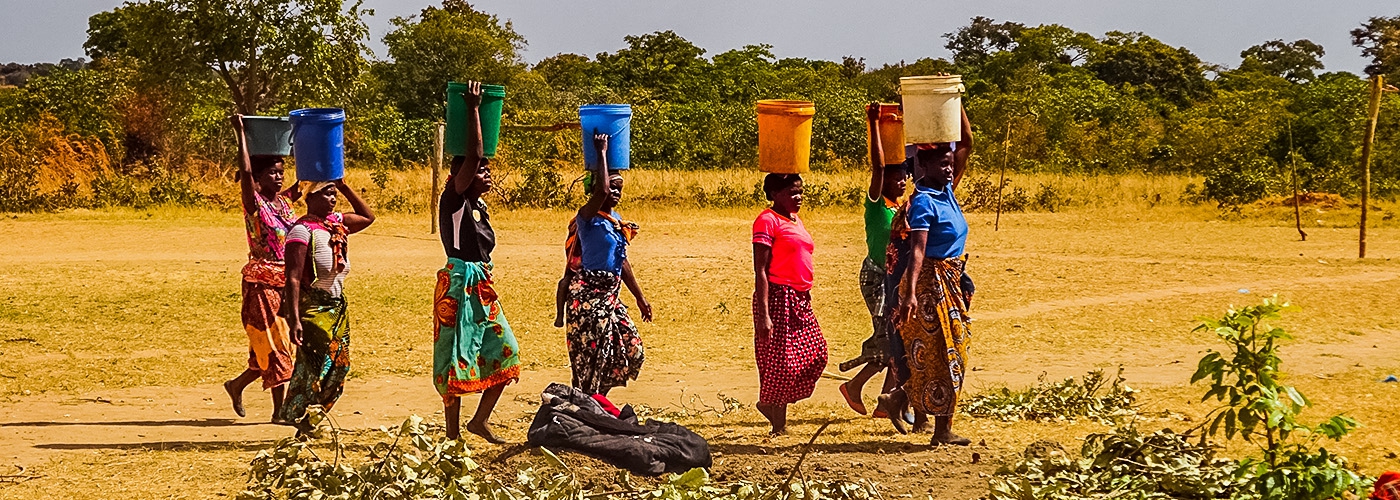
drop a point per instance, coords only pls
(879, 215)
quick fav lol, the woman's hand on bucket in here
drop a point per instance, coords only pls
(872, 112)
(600, 142)
(472, 95)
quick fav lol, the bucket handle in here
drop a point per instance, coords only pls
(292, 137)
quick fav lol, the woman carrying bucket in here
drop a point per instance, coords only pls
(317, 263)
(605, 350)
(788, 342)
(887, 182)
(931, 316)
(474, 349)
(267, 216)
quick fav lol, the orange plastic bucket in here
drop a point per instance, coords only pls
(892, 133)
(785, 136)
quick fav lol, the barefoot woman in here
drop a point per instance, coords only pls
(317, 263)
(267, 215)
(788, 343)
(474, 349)
(933, 303)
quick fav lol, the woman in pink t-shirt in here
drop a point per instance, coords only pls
(788, 343)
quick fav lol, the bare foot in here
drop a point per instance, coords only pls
(236, 397)
(777, 431)
(482, 430)
(892, 408)
(924, 427)
(279, 421)
(948, 438)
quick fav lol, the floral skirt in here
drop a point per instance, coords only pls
(323, 360)
(875, 349)
(473, 346)
(936, 338)
(270, 349)
(793, 356)
(605, 350)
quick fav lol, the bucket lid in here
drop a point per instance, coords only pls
(319, 114)
(932, 83)
(605, 109)
(785, 107)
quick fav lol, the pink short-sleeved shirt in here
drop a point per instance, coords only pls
(792, 249)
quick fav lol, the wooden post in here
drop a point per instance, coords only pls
(436, 165)
(1377, 84)
(1001, 183)
(1297, 204)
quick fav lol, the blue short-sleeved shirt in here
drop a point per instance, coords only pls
(603, 247)
(938, 213)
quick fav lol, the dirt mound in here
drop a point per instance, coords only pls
(1319, 200)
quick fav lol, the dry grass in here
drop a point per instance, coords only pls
(121, 300)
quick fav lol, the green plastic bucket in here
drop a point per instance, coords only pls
(268, 135)
(492, 98)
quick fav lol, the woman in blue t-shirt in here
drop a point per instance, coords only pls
(932, 312)
(605, 350)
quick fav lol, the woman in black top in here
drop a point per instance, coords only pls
(473, 347)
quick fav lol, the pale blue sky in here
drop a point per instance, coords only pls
(879, 30)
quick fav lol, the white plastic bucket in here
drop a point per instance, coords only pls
(932, 108)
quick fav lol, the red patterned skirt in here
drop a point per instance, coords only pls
(793, 356)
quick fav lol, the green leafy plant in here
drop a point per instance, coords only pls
(1259, 407)
(1093, 396)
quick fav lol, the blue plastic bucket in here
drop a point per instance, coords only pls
(318, 143)
(268, 135)
(614, 120)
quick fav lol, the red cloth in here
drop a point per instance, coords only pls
(793, 356)
(607, 405)
(1387, 487)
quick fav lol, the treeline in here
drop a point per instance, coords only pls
(145, 118)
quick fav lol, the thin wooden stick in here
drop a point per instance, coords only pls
(1377, 84)
(1001, 182)
(436, 165)
(1297, 204)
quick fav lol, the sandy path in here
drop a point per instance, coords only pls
(33, 428)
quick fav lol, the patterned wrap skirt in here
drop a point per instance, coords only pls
(473, 346)
(605, 350)
(793, 356)
(875, 350)
(936, 338)
(270, 349)
(323, 360)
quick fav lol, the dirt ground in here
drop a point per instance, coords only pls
(117, 328)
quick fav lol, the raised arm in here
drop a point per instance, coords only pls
(246, 186)
(964, 150)
(466, 172)
(877, 153)
(363, 216)
(763, 322)
(600, 179)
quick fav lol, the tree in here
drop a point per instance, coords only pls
(268, 53)
(982, 36)
(454, 42)
(1171, 73)
(1294, 61)
(569, 71)
(1379, 39)
(662, 62)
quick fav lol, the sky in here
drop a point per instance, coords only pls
(881, 31)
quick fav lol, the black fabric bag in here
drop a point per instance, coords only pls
(571, 420)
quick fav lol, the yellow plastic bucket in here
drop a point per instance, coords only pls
(932, 108)
(891, 133)
(785, 136)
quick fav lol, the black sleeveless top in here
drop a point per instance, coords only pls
(465, 227)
